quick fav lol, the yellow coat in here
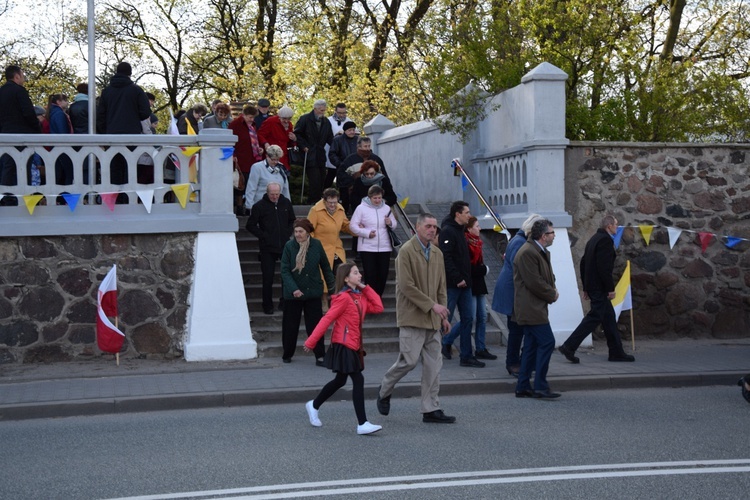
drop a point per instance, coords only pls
(327, 228)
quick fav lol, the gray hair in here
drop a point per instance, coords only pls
(423, 216)
(526, 226)
(285, 112)
(540, 227)
(363, 139)
(320, 102)
(608, 220)
(268, 186)
(275, 152)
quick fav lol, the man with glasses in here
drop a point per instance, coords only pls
(596, 267)
(534, 290)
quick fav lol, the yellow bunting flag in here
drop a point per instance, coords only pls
(646, 232)
(190, 150)
(190, 129)
(497, 229)
(31, 200)
(403, 203)
(181, 191)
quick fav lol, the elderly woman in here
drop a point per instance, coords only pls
(220, 118)
(370, 175)
(370, 222)
(329, 220)
(303, 262)
(263, 172)
(277, 130)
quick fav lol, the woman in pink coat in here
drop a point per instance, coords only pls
(369, 223)
(352, 301)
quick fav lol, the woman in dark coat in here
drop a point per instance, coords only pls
(370, 175)
(302, 263)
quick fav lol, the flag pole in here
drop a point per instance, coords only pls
(632, 330)
(117, 354)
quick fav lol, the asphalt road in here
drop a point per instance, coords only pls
(690, 443)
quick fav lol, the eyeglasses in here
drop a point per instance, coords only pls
(550, 232)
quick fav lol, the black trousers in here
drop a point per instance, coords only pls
(268, 269)
(601, 313)
(376, 266)
(316, 175)
(330, 176)
(293, 309)
(358, 393)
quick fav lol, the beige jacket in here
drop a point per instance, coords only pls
(419, 285)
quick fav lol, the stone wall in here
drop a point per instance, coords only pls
(678, 292)
(48, 289)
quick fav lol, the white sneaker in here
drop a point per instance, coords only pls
(313, 414)
(368, 428)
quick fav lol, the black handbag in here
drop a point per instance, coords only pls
(395, 240)
(296, 157)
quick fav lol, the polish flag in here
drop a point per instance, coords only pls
(108, 337)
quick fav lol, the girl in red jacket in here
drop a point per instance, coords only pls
(352, 301)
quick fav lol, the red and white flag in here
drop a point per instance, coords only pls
(108, 337)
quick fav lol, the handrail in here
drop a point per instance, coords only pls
(456, 164)
(400, 210)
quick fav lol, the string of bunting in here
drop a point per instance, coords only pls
(674, 234)
(109, 199)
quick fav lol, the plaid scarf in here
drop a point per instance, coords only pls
(475, 248)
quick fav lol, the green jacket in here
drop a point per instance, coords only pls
(419, 285)
(309, 280)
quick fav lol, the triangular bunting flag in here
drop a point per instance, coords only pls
(403, 202)
(618, 236)
(172, 124)
(732, 241)
(674, 235)
(181, 191)
(646, 232)
(31, 200)
(190, 150)
(227, 153)
(147, 197)
(71, 200)
(109, 199)
(705, 240)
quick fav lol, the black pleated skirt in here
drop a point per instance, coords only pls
(341, 359)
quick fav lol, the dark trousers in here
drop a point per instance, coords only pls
(316, 174)
(293, 309)
(515, 341)
(358, 393)
(330, 176)
(8, 173)
(601, 313)
(376, 266)
(540, 341)
(268, 269)
(63, 171)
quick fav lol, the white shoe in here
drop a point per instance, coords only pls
(313, 414)
(368, 428)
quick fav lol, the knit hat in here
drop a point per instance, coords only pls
(349, 125)
(286, 112)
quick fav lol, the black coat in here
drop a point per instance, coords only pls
(271, 223)
(598, 262)
(455, 253)
(344, 179)
(342, 147)
(121, 108)
(17, 114)
(79, 116)
(359, 191)
(314, 139)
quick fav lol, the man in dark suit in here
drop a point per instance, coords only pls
(598, 286)
(314, 132)
(17, 116)
(534, 290)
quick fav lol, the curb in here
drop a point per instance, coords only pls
(110, 406)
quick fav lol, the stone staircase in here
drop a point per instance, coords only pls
(380, 331)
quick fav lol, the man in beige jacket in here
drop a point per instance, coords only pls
(421, 316)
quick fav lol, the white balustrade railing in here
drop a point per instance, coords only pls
(507, 182)
(206, 186)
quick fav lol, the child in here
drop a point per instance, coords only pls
(353, 299)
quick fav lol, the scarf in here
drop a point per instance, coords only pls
(475, 248)
(375, 179)
(301, 258)
(273, 170)
(257, 154)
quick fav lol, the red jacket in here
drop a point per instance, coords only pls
(345, 314)
(273, 132)
(243, 149)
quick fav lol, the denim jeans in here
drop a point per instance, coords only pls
(462, 298)
(480, 322)
(539, 340)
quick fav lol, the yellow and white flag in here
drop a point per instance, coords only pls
(623, 297)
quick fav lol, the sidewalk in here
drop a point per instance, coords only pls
(100, 387)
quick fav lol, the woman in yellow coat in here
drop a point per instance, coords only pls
(329, 220)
